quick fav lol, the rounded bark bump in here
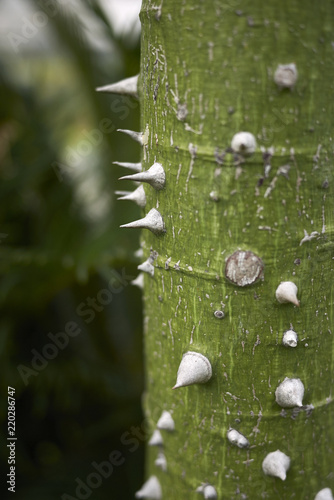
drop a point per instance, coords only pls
(324, 494)
(290, 393)
(244, 268)
(208, 491)
(287, 292)
(235, 437)
(290, 338)
(286, 76)
(276, 464)
(243, 143)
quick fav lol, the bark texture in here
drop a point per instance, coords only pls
(207, 72)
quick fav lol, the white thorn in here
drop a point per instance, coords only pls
(161, 462)
(128, 86)
(138, 196)
(287, 292)
(237, 438)
(194, 369)
(290, 338)
(208, 491)
(136, 136)
(243, 143)
(139, 253)
(286, 76)
(151, 489)
(137, 167)
(166, 422)
(156, 439)
(139, 281)
(152, 221)
(324, 494)
(276, 464)
(155, 176)
(147, 267)
(290, 393)
(122, 193)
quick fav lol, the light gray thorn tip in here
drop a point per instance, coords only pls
(152, 221)
(147, 267)
(139, 281)
(138, 196)
(155, 176)
(128, 86)
(137, 167)
(136, 136)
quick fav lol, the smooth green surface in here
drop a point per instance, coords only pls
(206, 58)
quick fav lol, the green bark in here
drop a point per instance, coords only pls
(207, 73)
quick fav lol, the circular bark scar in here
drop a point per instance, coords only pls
(244, 268)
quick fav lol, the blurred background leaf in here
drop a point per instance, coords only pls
(60, 244)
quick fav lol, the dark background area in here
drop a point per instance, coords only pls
(60, 244)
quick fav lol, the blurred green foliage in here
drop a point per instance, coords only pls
(60, 244)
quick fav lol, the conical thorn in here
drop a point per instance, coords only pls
(194, 369)
(156, 439)
(138, 196)
(139, 281)
(128, 86)
(136, 136)
(151, 489)
(155, 176)
(147, 267)
(137, 167)
(152, 221)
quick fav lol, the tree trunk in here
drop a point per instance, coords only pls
(208, 71)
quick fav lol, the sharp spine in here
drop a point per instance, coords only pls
(139, 281)
(151, 489)
(155, 176)
(152, 221)
(136, 136)
(166, 422)
(156, 439)
(138, 196)
(137, 167)
(147, 267)
(128, 86)
(161, 462)
(139, 253)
